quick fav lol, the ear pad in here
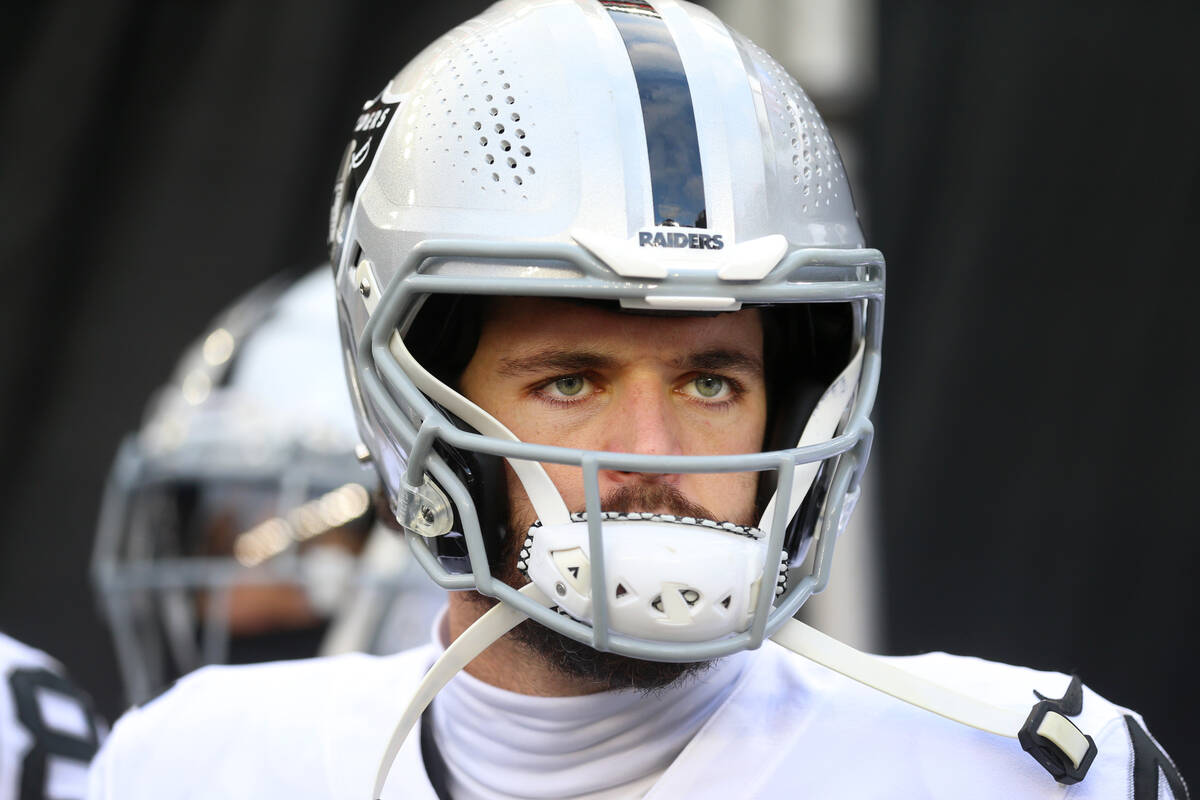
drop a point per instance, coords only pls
(806, 347)
(442, 338)
(483, 476)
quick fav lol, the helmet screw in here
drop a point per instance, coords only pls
(560, 588)
(364, 287)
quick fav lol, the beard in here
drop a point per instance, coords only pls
(573, 659)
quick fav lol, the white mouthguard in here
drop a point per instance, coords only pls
(666, 578)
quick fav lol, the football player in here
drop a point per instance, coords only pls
(48, 728)
(613, 337)
(237, 524)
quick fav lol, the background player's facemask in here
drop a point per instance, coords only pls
(235, 523)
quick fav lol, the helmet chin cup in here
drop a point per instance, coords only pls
(665, 578)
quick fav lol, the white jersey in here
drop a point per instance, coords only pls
(48, 731)
(316, 729)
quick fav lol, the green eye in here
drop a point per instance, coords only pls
(569, 387)
(709, 386)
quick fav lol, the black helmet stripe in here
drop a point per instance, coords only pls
(676, 178)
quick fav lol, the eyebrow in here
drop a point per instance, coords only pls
(719, 359)
(555, 360)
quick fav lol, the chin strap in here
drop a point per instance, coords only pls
(1044, 732)
(499, 620)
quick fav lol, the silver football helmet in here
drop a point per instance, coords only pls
(237, 523)
(645, 156)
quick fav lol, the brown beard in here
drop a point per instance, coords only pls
(572, 659)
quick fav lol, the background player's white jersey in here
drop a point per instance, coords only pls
(48, 731)
(316, 729)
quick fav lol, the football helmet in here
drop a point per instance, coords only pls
(237, 523)
(644, 156)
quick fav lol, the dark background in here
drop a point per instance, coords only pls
(1031, 174)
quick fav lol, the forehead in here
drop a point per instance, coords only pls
(512, 325)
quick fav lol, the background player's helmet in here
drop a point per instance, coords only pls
(235, 521)
(638, 154)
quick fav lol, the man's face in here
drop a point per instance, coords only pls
(579, 376)
(575, 375)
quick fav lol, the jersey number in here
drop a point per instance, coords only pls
(48, 741)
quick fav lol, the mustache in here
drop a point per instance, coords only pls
(658, 498)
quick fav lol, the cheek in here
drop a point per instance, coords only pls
(729, 496)
(532, 422)
(567, 479)
(740, 431)
(569, 482)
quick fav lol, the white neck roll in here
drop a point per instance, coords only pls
(500, 745)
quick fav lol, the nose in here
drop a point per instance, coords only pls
(642, 419)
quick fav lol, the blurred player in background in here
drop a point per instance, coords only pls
(48, 729)
(238, 525)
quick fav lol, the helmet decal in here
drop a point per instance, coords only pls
(377, 114)
(672, 143)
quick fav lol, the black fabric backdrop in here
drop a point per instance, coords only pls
(1035, 188)
(1032, 178)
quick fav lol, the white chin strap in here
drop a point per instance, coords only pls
(499, 620)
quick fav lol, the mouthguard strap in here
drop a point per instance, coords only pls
(499, 620)
(1071, 744)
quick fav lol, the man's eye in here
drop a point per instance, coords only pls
(570, 386)
(709, 386)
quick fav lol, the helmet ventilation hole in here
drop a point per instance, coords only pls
(795, 119)
(472, 82)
